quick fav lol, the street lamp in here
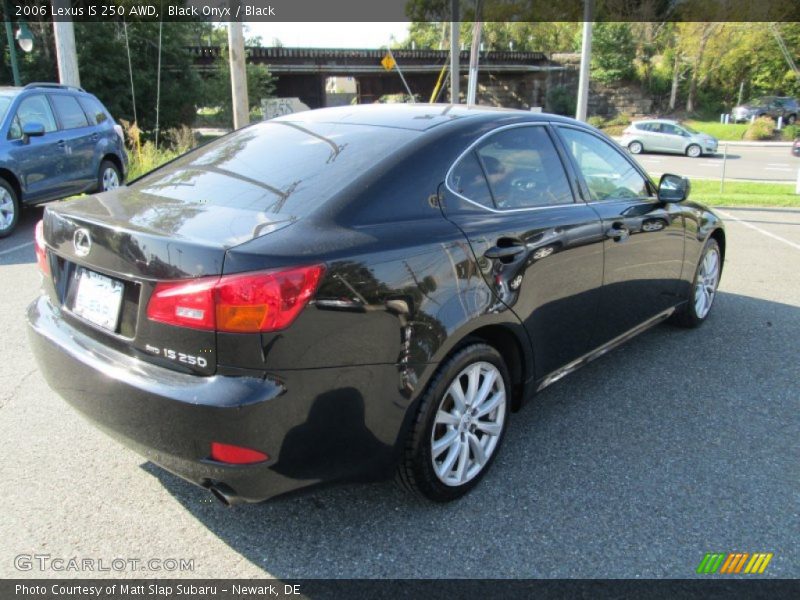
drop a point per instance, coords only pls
(23, 37)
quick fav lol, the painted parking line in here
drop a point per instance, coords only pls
(777, 168)
(15, 248)
(759, 229)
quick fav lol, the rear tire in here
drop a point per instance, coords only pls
(108, 177)
(694, 151)
(635, 147)
(9, 208)
(455, 436)
(700, 297)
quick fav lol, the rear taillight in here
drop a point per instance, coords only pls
(245, 303)
(41, 250)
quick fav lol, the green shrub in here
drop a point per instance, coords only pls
(623, 119)
(596, 121)
(560, 101)
(760, 129)
(790, 132)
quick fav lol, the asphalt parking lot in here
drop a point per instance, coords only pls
(677, 444)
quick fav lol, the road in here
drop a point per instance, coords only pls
(752, 163)
(677, 444)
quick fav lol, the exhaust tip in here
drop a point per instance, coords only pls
(224, 494)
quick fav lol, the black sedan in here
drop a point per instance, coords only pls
(358, 292)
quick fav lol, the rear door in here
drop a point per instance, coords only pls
(79, 139)
(540, 251)
(644, 238)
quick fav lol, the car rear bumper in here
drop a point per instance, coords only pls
(316, 425)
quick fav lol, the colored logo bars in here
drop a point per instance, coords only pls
(733, 563)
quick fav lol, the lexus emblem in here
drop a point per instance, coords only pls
(82, 242)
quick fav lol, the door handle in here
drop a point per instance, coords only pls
(62, 142)
(95, 137)
(618, 232)
(501, 252)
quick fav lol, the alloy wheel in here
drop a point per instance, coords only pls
(635, 147)
(705, 288)
(468, 423)
(8, 209)
(693, 151)
(110, 179)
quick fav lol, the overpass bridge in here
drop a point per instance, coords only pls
(508, 78)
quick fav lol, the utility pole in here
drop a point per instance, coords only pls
(586, 58)
(241, 108)
(67, 55)
(474, 54)
(455, 52)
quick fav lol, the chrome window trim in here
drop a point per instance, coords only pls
(472, 146)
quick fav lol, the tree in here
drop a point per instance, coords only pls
(260, 84)
(613, 52)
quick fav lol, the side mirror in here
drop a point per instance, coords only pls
(32, 129)
(673, 188)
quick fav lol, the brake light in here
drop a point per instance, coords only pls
(236, 455)
(244, 303)
(41, 249)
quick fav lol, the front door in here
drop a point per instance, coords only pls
(539, 250)
(644, 238)
(40, 160)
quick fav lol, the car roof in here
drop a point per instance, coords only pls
(669, 121)
(417, 117)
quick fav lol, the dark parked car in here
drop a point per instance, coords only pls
(768, 106)
(796, 147)
(353, 292)
(55, 141)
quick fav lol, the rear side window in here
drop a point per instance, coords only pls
(69, 111)
(93, 109)
(468, 179)
(33, 109)
(523, 169)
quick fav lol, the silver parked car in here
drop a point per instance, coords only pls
(662, 135)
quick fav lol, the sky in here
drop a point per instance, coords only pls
(328, 35)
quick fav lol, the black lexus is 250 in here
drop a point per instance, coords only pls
(359, 292)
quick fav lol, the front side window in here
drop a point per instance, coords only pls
(33, 109)
(522, 169)
(608, 174)
(69, 112)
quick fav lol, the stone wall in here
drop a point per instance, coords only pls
(529, 90)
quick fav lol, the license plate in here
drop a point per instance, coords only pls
(98, 299)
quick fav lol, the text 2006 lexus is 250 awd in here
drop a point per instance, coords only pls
(355, 292)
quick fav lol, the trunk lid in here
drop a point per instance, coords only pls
(108, 251)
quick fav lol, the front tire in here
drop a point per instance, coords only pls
(700, 297)
(459, 426)
(694, 151)
(635, 147)
(9, 208)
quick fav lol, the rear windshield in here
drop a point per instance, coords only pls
(279, 167)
